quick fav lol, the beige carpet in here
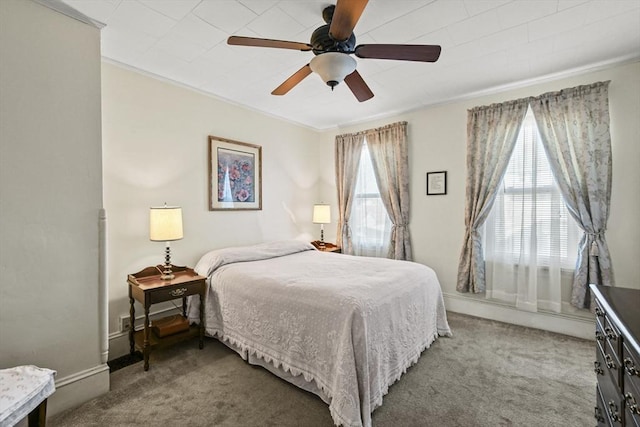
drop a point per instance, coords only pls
(487, 374)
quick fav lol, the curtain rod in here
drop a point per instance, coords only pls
(364, 132)
(529, 99)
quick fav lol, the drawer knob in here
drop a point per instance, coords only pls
(599, 312)
(178, 292)
(599, 336)
(632, 405)
(613, 412)
(630, 367)
(608, 360)
(597, 369)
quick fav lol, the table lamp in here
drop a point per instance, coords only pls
(165, 225)
(322, 216)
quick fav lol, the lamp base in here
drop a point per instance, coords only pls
(321, 244)
(167, 274)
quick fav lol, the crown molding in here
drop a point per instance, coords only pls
(69, 11)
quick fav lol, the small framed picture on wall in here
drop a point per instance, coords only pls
(436, 183)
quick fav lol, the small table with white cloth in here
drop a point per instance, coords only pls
(24, 391)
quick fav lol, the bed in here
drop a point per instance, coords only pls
(340, 326)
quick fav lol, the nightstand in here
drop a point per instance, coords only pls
(328, 247)
(148, 288)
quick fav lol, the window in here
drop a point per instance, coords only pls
(369, 221)
(529, 237)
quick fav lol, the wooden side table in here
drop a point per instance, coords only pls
(148, 288)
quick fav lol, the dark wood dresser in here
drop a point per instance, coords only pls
(617, 364)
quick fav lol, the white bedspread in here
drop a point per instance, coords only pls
(353, 325)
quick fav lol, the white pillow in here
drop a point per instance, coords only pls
(219, 257)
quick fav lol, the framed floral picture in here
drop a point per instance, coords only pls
(235, 175)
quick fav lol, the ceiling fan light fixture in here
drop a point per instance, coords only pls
(333, 67)
(333, 44)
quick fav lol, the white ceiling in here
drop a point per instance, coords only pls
(486, 44)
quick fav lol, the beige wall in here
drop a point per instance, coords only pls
(155, 151)
(50, 198)
(437, 138)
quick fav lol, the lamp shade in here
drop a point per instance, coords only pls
(165, 224)
(321, 214)
(333, 67)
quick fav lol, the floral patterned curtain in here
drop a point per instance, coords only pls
(348, 150)
(390, 158)
(574, 126)
(491, 135)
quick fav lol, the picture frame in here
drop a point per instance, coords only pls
(235, 175)
(436, 183)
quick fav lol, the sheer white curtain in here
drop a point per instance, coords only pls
(530, 239)
(369, 221)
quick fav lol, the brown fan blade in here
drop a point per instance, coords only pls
(358, 86)
(345, 18)
(296, 78)
(403, 52)
(278, 44)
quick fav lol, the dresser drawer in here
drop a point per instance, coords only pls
(610, 331)
(172, 292)
(632, 409)
(606, 331)
(612, 338)
(631, 381)
(613, 405)
(606, 357)
(606, 365)
(600, 411)
(631, 367)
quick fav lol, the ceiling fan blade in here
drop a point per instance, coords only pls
(279, 44)
(358, 86)
(345, 18)
(403, 52)
(296, 78)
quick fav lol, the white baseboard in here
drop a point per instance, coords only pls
(567, 324)
(78, 388)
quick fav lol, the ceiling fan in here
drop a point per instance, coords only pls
(333, 44)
